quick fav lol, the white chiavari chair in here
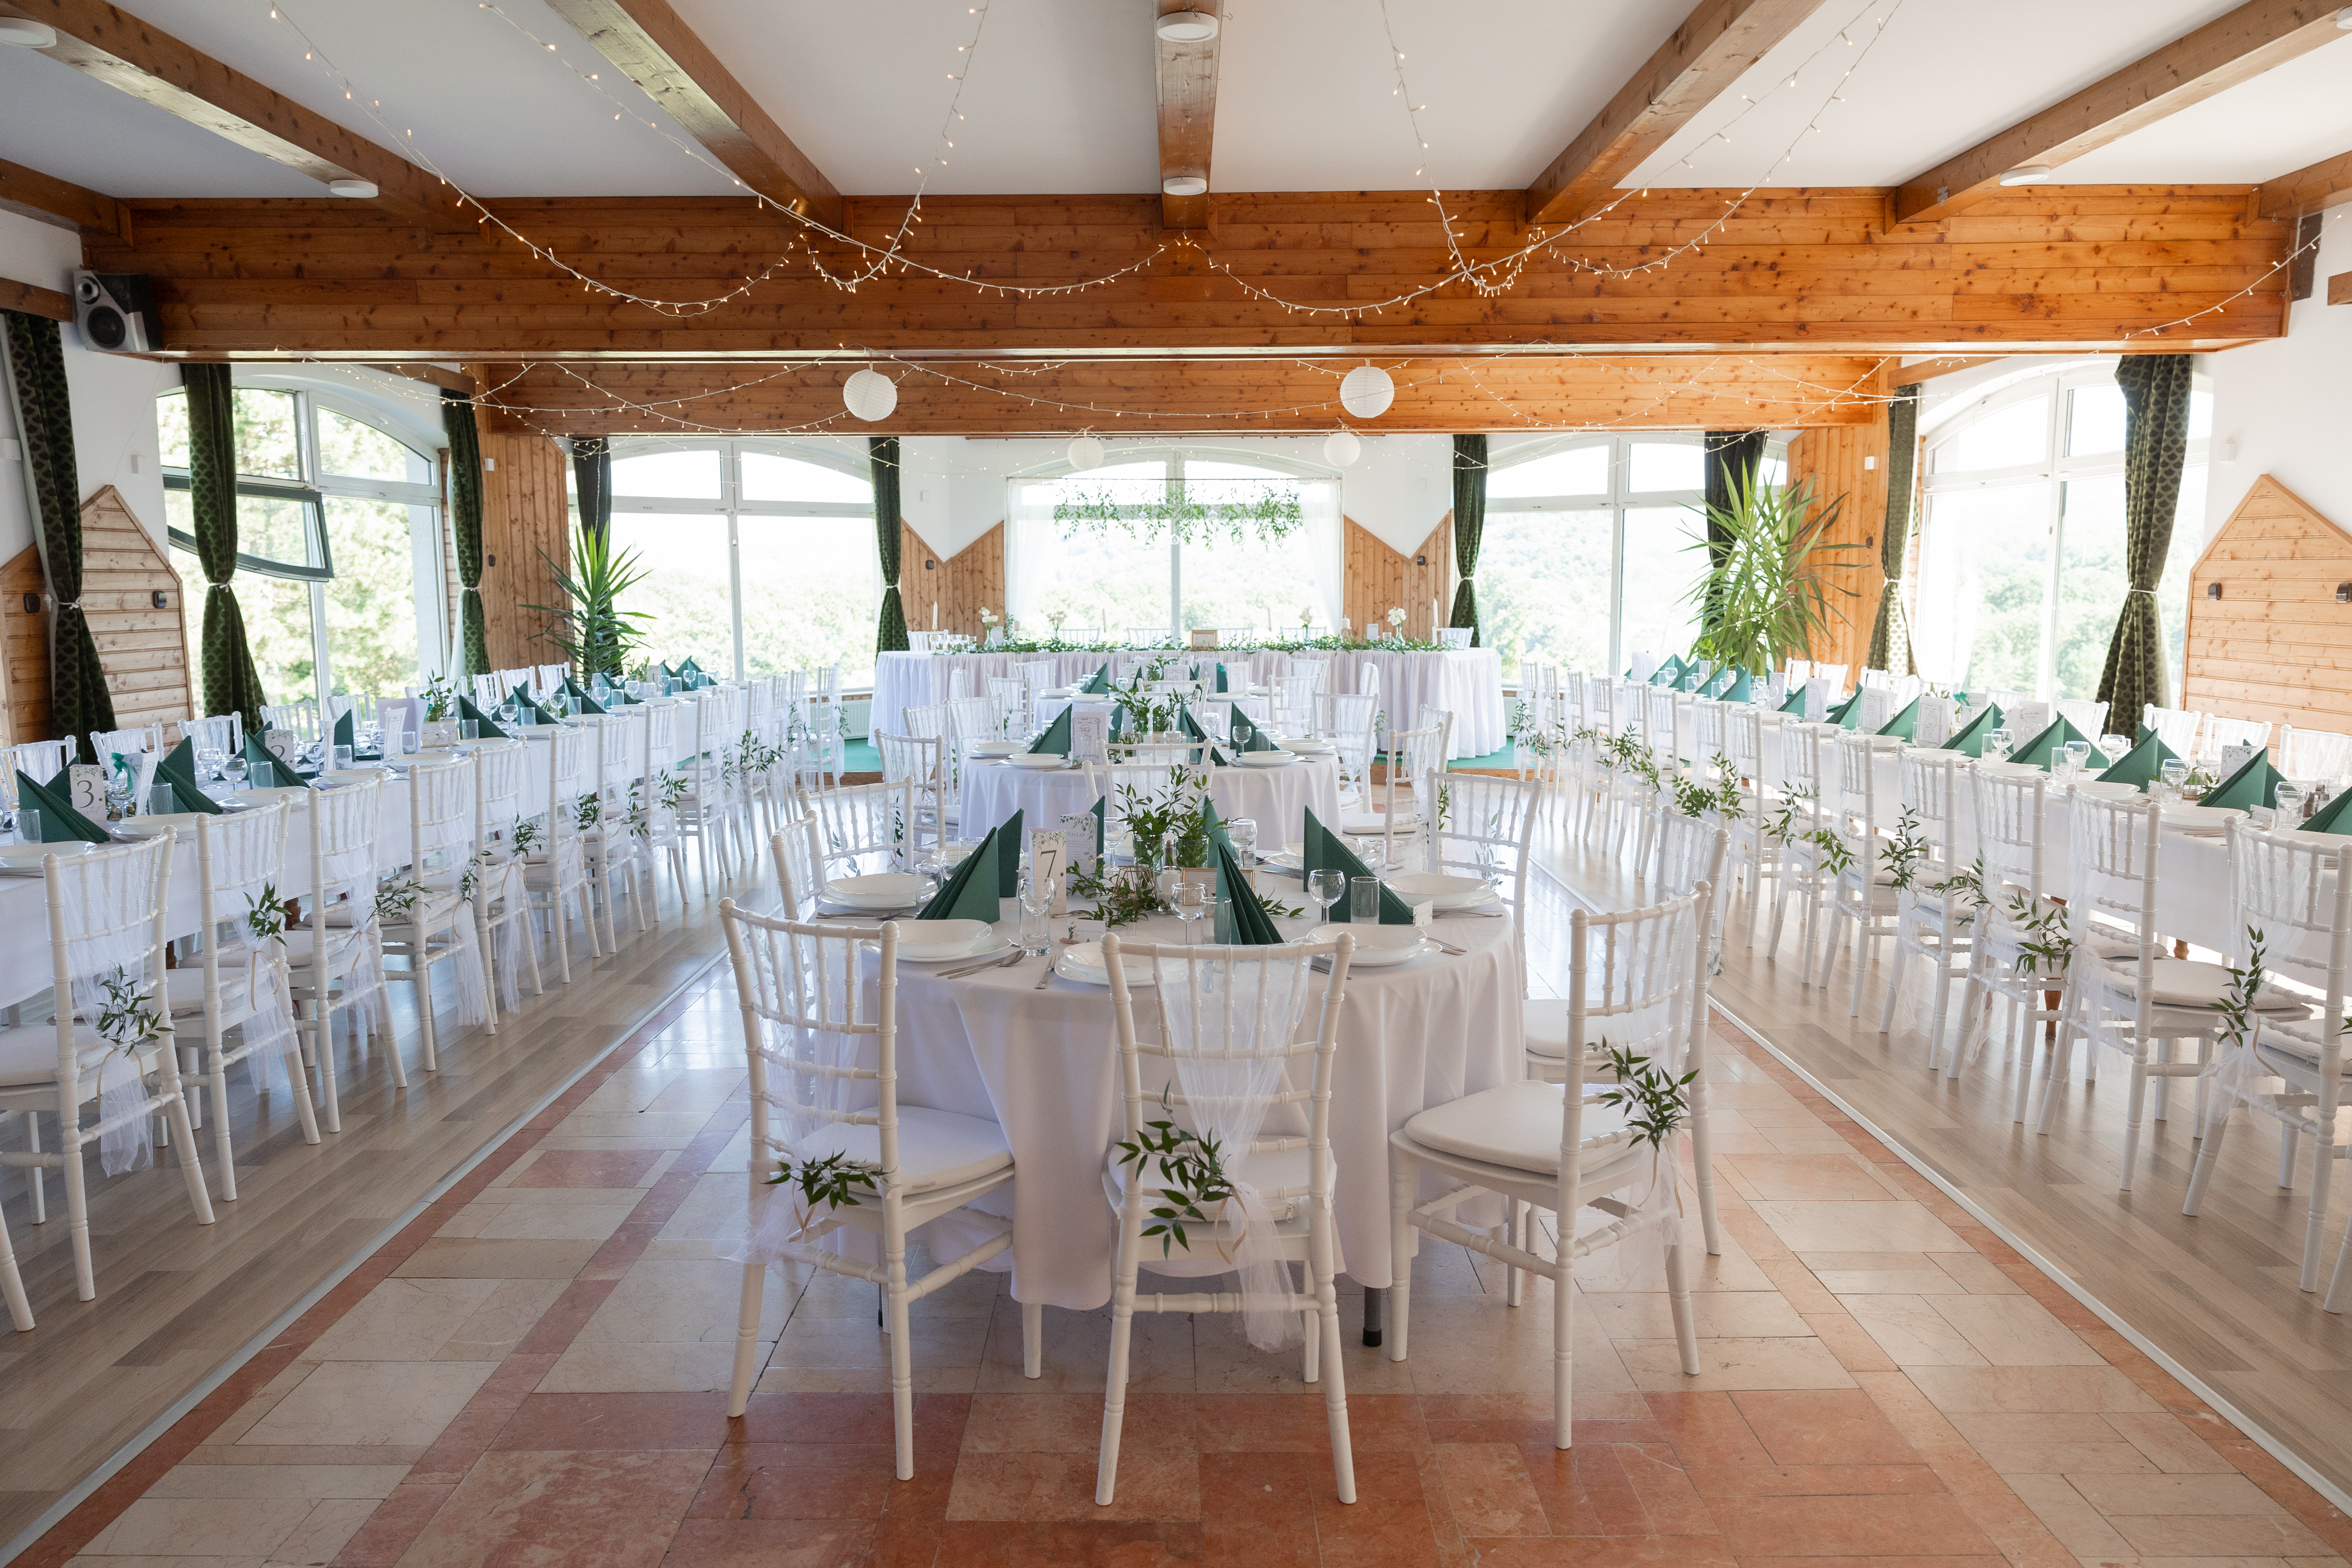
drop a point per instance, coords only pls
(1806, 769)
(39, 761)
(2295, 888)
(2008, 814)
(615, 850)
(1392, 808)
(336, 958)
(555, 863)
(1862, 892)
(933, 722)
(1549, 1147)
(2318, 755)
(1935, 921)
(425, 920)
(862, 828)
(1232, 1026)
(222, 732)
(2090, 718)
(107, 915)
(2177, 728)
(105, 745)
(821, 1041)
(1349, 718)
(919, 766)
(1755, 850)
(655, 782)
(494, 887)
(1294, 703)
(799, 862)
(706, 811)
(2222, 733)
(1483, 827)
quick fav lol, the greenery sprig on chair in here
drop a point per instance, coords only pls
(1191, 1175)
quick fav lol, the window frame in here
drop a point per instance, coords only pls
(2055, 472)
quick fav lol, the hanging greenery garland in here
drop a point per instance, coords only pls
(1273, 517)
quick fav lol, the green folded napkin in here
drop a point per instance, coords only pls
(178, 769)
(532, 711)
(263, 771)
(688, 667)
(2256, 784)
(1240, 917)
(1969, 741)
(1247, 736)
(1328, 851)
(343, 730)
(1100, 801)
(1796, 702)
(970, 894)
(1905, 723)
(580, 698)
(1010, 841)
(1055, 740)
(59, 821)
(489, 731)
(2146, 733)
(1100, 684)
(2143, 764)
(1192, 730)
(1221, 675)
(1847, 715)
(2336, 816)
(2041, 750)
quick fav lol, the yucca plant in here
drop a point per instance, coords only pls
(591, 630)
(1764, 599)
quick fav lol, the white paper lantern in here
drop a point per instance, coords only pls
(1366, 392)
(869, 394)
(1340, 448)
(1085, 454)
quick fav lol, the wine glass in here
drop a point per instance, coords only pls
(1037, 904)
(2175, 773)
(2078, 754)
(1192, 903)
(2288, 803)
(2114, 747)
(1998, 745)
(233, 769)
(208, 764)
(1326, 888)
(1242, 831)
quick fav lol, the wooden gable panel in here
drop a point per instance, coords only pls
(1375, 579)
(959, 585)
(2277, 644)
(144, 648)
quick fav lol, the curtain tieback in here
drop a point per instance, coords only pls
(2150, 591)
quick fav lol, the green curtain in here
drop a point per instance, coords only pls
(1890, 635)
(1469, 528)
(1729, 461)
(79, 700)
(890, 630)
(466, 525)
(2156, 445)
(591, 478)
(232, 682)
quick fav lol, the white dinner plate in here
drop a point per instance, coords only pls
(1083, 962)
(1377, 946)
(886, 891)
(2011, 770)
(24, 860)
(2198, 818)
(996, 748)
(1309, 748)
(2093, 789)
(936, 942)
(1264, 759)
(1443, 891)
(1037, 762)
(156, 824)
(258, 798)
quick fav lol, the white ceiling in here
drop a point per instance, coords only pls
(1060, 95)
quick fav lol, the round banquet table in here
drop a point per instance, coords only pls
(1276, 799)
(1466, 682)
(1043, 1065)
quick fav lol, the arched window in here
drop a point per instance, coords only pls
(758, 555)
(2020, 571)
(1588, 553)
(338, 563)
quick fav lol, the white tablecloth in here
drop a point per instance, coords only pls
(1043, 1065)
(1466, 682)
(1276, 799)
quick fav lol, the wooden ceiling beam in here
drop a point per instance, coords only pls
(1187, 76)
(116, 49)
(650, 44)
(35, 300)
(1712, 49)
(36, 194)
(2232, 49)
(2324, 185)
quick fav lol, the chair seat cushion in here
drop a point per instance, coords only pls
(28, 1054)
(1517, 1125)
(342, 944)
(936, 1148)
(2193, 983)
(185, 987)
(1283, 1168)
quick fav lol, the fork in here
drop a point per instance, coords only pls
(1016, 956)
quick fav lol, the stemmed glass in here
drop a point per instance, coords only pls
(1326, 888)
(208, 765)
(233, 769)
(1036, 903)
(2078, 754)
(1998, 745)
(2175, 773)
(1192, 903)
(2114, 747)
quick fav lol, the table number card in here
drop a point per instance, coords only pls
(1933, 725)
(86, 781)
(2027, 719)
(281, 744)
(1776, 689)
(1819, 694)
(2236, 757)
(1877, 708)
(1048, 858)
(1089, 736)
(1078, 836)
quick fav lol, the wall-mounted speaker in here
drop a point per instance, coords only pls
(115, 314)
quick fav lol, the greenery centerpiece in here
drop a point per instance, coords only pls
(1765, 598)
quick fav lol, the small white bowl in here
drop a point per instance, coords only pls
(996, 748)
(1039, 762)
(1264, 759)
(1446, 892)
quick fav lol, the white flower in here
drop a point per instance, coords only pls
(1396, 616)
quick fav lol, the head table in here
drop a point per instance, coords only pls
(1276, 799)
(1043, 1065)
(1466, 682)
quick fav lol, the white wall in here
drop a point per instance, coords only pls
(113, 396)
(2286, 403)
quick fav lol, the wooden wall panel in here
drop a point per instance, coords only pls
(142, 649)
(1833, 460)
(961, 586)
(1376, 579)
(2276, 645)
(524, 513)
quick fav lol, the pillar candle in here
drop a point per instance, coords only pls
(935, 614)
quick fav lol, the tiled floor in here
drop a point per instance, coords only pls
(534, 1372)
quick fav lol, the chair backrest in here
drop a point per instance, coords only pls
(1708, 724)
(1037, 675)
(2111, 871)
(1316, 665)
(1637, 982)
(343, 824)
(974, 718)
(441, 815)
(1230, 1020)
(2314, 754)
(660, 754)
(498, 791)
(39, 761)
(2008, 815)
(2294, 888)
(1833, 673)
(1690, 852)
(1857, 781)
(799, 861)
(916, 758)
(107, 912)
(1933, 794)
(616, 751)
(301, 718)
(820, 1032)
(1454, 636)
(1348, 717)
(2090, 718)
(568, 778)
(2221, 734)
(1662, 725)
(237, 852)
(1804, 764)
(1481, 825)
(858, 820)
(1148, 635)
(1368, 679)
(1748, 746)
(107, 744)
(2176, 727)
(222, 733)
(1295, 699)
(927, 723)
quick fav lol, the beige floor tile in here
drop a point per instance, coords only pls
(680, 1302)
(370, 1404)
(1892, 1226)
(2015, 1330)
(324, 1530)
(637, 1368)
(1910, 1330)
(1728, 1365)
(1075, 1357)
(1811, 1137)
(499, 1323)
(2067, 1514)
(952, 1342)
(2165, 1440)
(716, 1204)
(1810, 1176)
(554, 1222)
(2217, 1535)
(1719, 1314)
(402, 1320)
(309, 1483)
(2138, 1494)
(1479, 1345)
(201, 1527)
(2043, 1390)
(472, 1258)
(1976, 1273)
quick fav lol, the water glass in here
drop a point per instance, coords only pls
(343, 759)
(1243, 832)
(1998, 745)
(1325, 888)
(2289, 802)
(162, 800)
(408, 742)
(1036, 908)
(29, 826)
(1364, 899)
(469, 729)
(2175, 773)
(2078, 753)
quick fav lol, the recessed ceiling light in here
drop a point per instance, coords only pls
(2030, 175)
(1188, 26)
(27, 34)
(1185, 186)
(357, 190)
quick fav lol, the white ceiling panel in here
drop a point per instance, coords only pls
(63, 123)
(2282, 120)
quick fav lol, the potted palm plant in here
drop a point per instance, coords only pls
(1766, 596)
(591, 630)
